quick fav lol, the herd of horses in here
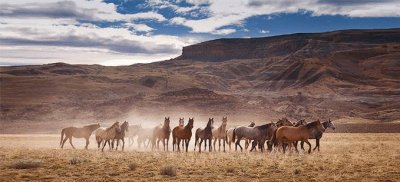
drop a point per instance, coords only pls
(281, 135)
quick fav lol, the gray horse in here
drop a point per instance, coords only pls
(258, 133)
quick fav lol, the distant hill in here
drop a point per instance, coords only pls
(341, 74)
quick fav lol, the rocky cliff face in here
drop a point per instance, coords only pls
(256, 48)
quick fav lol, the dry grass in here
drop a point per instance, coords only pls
(168, 170)
(343, 157)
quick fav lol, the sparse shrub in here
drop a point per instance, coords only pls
(230, 170)
(132, 166)
(26, 164)
(76, 160)
(297, 171)
(168, 170)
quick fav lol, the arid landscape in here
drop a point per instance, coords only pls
(343, 157)
(350, 77)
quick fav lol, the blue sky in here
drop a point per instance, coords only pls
(125, 32)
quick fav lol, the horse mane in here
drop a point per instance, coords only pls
(265, 126)
(325, 124)
(312, 124)
(112, 126)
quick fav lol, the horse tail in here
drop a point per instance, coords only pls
(62, 136)
(196, 137)
(273, 139)
(234, 135)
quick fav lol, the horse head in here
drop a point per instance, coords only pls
(224, 121)
(125, 126)
(190, 123)
(331, 125)
(166, 121)
(210, 122)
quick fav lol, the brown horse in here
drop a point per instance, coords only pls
(161, 133)
(204, 134)
(120, 135)
(258, 133)
(283, 122)
(220, 134)
(318, 134)
(83, 132)
(289, 134)
(182, 133)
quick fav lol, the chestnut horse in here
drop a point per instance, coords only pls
(220, 134)
(162, 133)
(204, 134)
(83, 132)
(289, 134)
(182, 133)
(318, 134)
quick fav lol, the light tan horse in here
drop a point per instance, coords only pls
(182, 133)
(162, 133)
(220, 134)
(229, 136)
(83, 132)
(107, 135)
(289, 134)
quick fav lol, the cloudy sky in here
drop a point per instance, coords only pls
(140, 31)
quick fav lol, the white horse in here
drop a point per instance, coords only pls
(220, 133)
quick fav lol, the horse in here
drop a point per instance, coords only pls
(120, 135)
(318, 134)
(145, 134)
(229, 135)
(132, 132)
(182, 133)
(162, 133)
(289, 134)
(283, 122)
(258, 133)
(182, 122)
(204, 134)
(220, 133)
(83, 132)
(108, 134)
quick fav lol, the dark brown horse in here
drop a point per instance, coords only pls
(289, 134)
(162, 133)
(120, 135)
(83, 132)
(182, 133)
(204, 134)
(318, 134)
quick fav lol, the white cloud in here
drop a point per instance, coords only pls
(264, 31)
(223, 13)
(224, 31)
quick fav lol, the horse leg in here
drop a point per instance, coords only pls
(219, 144)
(167, 143)
(205, 144)
(246, 144)
(224, 140)
(309, 145)
(65, 139)
(87, 143)
(70, 141)
(316, 144)
(210, 147)
(238, 144)
(187, 144)
(215, 140)
(295, 146)
(302, 145)
(163, 142)
(116, 148)
(201, 141)
(178, 145)
(284, 147)
(123, 144)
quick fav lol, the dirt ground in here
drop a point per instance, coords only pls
(343, 157)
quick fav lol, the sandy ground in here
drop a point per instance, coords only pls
(343, 157)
